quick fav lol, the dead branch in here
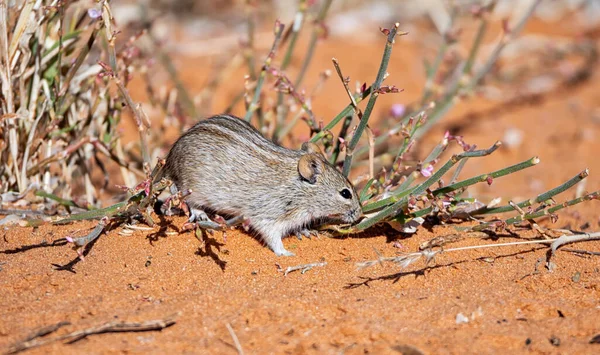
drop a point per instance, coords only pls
(34, 341)
(304, 268)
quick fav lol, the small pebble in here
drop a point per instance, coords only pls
(460, 319)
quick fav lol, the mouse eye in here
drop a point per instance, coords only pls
(346, 194)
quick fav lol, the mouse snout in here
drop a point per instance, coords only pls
(353, 215)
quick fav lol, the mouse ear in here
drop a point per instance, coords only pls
(311, 147)
(309, 166)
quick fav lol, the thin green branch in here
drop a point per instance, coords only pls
(296, 27)
(401, 203)
(341, 135)
(537, 214)
(95, 214)
(317, 31)
(540, 198)
(432, 71)
(484, 177)
(345, 112)
(249, 46)
(261, 79)
(282, 110)
(391, 37)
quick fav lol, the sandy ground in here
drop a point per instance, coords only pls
(511, 301)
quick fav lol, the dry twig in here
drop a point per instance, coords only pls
(303, 268)
(236, 341)
(34, 341)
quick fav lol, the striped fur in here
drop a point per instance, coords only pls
(233, 170)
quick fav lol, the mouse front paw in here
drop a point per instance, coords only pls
(305, 232)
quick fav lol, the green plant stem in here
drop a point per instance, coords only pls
(296, 27)
(395, 208)
(261, 79)
(345, 112)
(460, 185)
(282, 110)
(404, 188)
(540, 198)
(363, 193)
(387, 201)
(406, 142)
(95, 214)
(249, 50)
(538, 214)
(342, 135)
(373, 99)
(504, 40)
(482, 178)
(313, 41)
(482, 29)
(432, 71)
(450, 98)
(459, 168)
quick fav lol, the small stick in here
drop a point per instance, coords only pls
(406, 259)
(579, 251)
(348, 120)
(531, 222)
(304, 268)
(567, 239)
(236, 341)
(110, 327)
(31, 341)
(345, 81)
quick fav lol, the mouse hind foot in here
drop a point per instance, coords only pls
(198, 215)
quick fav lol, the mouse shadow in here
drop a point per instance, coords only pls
(393, 235)
(385, 230)
(211, 248)
(395, 277)
(164, 225)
